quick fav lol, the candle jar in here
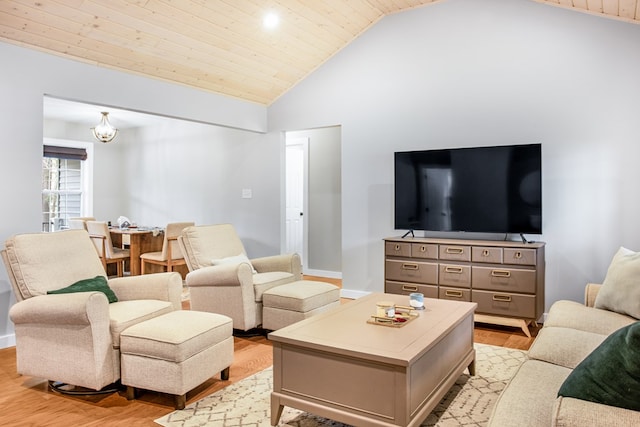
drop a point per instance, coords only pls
(416, 300)
(385, 309)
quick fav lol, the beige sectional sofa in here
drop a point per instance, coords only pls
(571, 332)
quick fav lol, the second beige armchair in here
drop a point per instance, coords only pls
(223, 280)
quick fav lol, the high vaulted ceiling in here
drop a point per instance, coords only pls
(217, 45)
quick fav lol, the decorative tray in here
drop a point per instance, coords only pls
(403, 316)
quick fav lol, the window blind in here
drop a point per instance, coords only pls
(64, 152)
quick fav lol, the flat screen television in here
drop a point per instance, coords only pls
(481, 189)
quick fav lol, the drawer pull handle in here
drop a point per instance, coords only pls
(518, 255)
(485, 252)
(409, 288)
(500, 273)
(456, 270)
(502, 298)
(457, 251)
(454, 294)
(407, 266)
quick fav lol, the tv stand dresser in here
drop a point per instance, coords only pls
(505, 278)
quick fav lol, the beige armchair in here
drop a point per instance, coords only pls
(74, 338)
(223, 280)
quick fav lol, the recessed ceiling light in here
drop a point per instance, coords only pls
(271, 20)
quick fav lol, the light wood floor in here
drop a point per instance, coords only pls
(27, 401)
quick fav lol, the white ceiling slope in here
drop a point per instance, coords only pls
(217, 45)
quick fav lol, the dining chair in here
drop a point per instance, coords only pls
(171, 255)
(80, 222)
(109, 254)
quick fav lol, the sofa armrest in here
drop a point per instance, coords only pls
(570, 412)
(159, 286)
(82, 308)
(288, 262)
(221, 275)
(590, 293)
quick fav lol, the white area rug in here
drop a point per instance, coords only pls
(247, 402)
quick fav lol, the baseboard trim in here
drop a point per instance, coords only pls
(7, 341)
(323, 273)
(352, 294)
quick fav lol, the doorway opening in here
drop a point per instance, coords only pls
(313, 199)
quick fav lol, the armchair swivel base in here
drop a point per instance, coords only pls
(72, 390)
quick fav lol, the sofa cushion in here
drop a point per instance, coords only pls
(571, 314)
(611, 373)
(570, 412)
(620, 290)
(98, 283)
(564, 346)
(528, 399)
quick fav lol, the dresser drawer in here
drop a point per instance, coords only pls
(454, 294)
(505, 304)
(455, 253)
(411, 271)
(504, 279)
(402, 288)
(454, 275)
(519, 256)
(486, 254)
(397, 249)
(424, 250)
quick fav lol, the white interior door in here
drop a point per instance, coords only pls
(296, 161)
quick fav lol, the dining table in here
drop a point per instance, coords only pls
(139, 241)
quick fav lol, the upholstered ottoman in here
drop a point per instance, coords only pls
(176, 352)
(292, 302)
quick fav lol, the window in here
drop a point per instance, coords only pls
(64, 186)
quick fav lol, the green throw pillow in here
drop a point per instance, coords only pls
(98, 283)
(611, 373)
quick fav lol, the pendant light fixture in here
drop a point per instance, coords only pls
(104, 132)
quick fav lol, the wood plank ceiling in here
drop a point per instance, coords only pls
(217, 45)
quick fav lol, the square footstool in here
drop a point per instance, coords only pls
(176, 352)
(286, 304)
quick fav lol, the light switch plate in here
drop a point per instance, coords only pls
(247, 193)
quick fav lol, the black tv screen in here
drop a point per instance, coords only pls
(484, 189)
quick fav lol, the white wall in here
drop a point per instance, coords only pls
(184, 171)
(487, 72)
(26, 75)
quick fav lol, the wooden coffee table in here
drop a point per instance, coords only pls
(338, 366)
